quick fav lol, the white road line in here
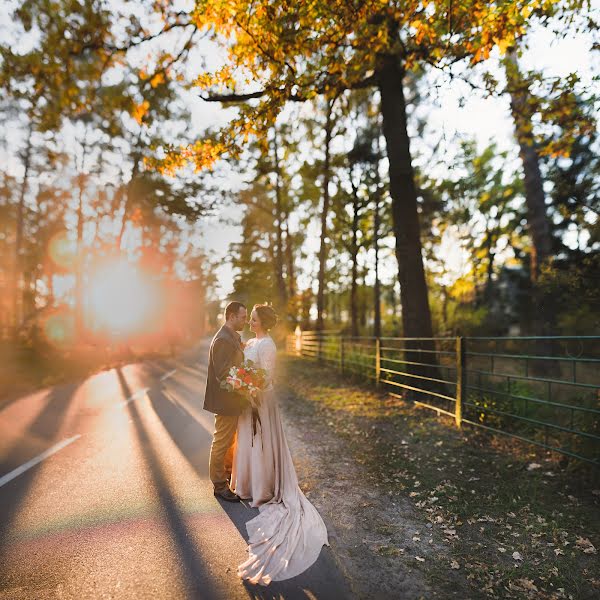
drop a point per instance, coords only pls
(134, 397)
(144, 390)
(167, 375)
(38, 459)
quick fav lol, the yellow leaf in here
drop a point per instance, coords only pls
(503, 46)
(157, 79)
(139, 110)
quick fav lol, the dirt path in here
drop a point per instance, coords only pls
(371, 532)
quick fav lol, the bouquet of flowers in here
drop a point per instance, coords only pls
(248, 380)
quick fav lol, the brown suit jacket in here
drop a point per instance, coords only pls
(225, 352)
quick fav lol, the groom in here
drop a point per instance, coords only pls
(225, 351)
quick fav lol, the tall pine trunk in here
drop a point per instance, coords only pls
(17, 276)
(324, 214)
(416, 315)
(542, 314)
(537, 216)
(289, 256)
(290, 274)
(79, 325)
(377, 286)
(81, 257)
(354, 259)
(279, 251)
(490, 255)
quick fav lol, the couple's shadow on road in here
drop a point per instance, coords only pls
(322, 580)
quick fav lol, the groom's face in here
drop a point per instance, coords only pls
(239, 321)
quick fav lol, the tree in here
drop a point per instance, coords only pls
(72, 52)
(575, 194)
(300, 50)
(329, 125)
(557, 107)
(254, 255)
(485, 205)
(522, 111)
(358, 190)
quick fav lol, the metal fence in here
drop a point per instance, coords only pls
(541, 390)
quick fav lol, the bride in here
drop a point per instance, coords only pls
(286, 537)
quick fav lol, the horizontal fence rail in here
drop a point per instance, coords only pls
(541, 390)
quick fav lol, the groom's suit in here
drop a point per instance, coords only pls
(225, 352)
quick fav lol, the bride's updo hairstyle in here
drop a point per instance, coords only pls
(267, 316)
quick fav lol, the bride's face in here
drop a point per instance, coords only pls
(255, 323)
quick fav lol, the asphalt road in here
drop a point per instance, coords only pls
(104, 493)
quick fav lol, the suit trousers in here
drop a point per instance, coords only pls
(221, 450)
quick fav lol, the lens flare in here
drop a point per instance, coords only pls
(121, 299)
(60, 329)
(63, 250)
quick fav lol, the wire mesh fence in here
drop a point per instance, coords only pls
(541, 390)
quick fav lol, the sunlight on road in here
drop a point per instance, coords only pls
(132, 447)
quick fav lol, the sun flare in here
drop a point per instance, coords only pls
(121, 298)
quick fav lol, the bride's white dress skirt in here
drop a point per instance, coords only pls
(287, 535)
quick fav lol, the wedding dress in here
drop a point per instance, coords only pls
(287, 535)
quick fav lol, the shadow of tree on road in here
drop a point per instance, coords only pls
(40, 433)
(321, 580)
(191, 437)
(199, 582)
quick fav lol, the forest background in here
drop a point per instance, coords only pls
(401, 169)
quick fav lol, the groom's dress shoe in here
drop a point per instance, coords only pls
(227, 494)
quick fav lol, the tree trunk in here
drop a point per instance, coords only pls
(129, 191)
(416, 316)
(354, 260)
(291, 275)
(445, 310)
(281, 287)
(542, 312)
(80, 260)
(17, 294)
(79, 324)
(289, 255)
(363, 303)
(539, 223)
(489, 245)
(324, 214)
(377, 286)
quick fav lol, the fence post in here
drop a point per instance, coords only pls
(298, 341)
(342, 353)
(377, 363)
(461, 389)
